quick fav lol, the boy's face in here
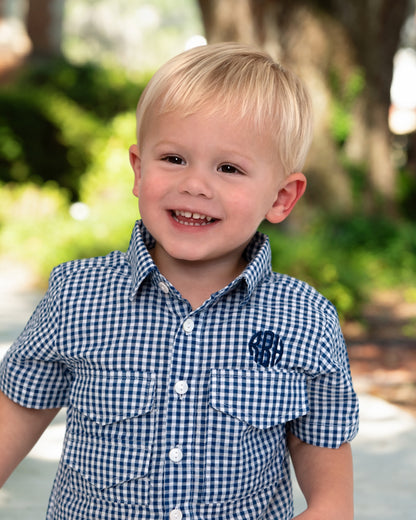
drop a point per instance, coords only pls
(205, 183)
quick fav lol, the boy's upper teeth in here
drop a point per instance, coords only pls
(189, 214)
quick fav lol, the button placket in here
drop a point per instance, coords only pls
(179, 462)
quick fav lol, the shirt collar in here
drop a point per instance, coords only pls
(138, 255)
(257, 255)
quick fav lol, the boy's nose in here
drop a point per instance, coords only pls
(196, 182)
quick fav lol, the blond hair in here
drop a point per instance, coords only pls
(230, 76)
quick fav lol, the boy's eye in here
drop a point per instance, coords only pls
(228, 168)
(173, 159)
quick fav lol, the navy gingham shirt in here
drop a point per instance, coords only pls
(180, 414)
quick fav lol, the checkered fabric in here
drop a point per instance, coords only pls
(174, 413)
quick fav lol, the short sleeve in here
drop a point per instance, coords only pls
(32, 372)
(333, 416)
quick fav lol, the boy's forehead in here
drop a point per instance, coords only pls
(230, 116)
(213, 106)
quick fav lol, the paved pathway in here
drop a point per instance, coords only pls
(384, 451)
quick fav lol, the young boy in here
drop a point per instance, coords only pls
(190, 370)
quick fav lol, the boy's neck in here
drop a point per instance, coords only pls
(198, 281)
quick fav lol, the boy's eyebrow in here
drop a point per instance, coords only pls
(177, 142)
(166, 142)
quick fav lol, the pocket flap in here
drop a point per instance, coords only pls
(109, 397)
(260, 398)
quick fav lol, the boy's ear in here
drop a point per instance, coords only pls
(287, 197)
(135, 162)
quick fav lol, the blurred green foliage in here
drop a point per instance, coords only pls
(51, 118)
(64, 137)
(346, 258)
(39, 139)
(406, 192)
(101, 91)
(344, 95)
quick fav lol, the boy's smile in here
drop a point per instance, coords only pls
(205, 183)
(191, 219)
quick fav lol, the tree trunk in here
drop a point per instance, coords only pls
(44, 26)
(14, 44)
(344, 52)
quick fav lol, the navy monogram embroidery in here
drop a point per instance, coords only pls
(265, 347)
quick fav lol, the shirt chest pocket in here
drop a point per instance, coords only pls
(111, 427)
(246, 434)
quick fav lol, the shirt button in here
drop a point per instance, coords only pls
(163, 287)
(175, 455)
(181, 387)
(175, 514)
(188, 325)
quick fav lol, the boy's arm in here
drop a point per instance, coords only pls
(325, 477)
(20, 428)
